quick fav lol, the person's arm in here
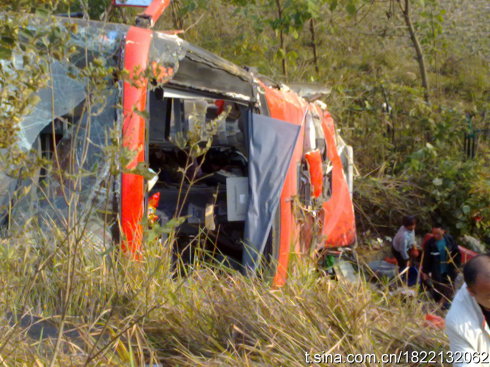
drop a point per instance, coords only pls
(459, 344)
(406, 246)
(412, 240)
(404, 253)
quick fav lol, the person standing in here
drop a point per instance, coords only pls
(403, 241)
(442, 260)
(468, 319)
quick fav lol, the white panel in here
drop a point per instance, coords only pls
(237, 198)
(141, 3)
(172, 93)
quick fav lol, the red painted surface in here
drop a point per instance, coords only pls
(287, 106)
(339, 221)
(391, 260)
(314, 160)
(156, 9)
(154, 200)
(434, 321)
(138, 42)
(339, 226)
(466, 254)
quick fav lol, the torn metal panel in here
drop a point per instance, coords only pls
(338, 211)
(272, 144)
(204, 71)
(166, 52)
(191, 67)
(346, 154)
(314, 160)
(311, 92)
(203, 56)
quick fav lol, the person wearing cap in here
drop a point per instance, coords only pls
(468, 319)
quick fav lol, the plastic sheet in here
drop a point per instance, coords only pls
(271, 147)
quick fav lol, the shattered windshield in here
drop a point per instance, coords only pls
(68, 128)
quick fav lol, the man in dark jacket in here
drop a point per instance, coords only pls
(441, 262)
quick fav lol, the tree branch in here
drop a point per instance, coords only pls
(416, 45)
(281, 37)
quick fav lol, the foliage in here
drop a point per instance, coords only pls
(458, 189)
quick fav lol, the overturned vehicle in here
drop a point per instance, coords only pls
(259, 168)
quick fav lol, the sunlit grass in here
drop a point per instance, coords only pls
(124, 313)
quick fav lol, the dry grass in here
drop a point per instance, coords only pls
(123, 313)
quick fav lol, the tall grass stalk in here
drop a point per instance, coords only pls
(124, 313)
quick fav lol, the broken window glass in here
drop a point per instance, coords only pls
(70, 127)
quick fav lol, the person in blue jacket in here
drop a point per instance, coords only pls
(442, 260)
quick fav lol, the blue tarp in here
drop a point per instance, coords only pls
(271, 146)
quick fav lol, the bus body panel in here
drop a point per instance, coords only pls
(287, 106)
(136, 55)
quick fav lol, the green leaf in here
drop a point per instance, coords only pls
(42, 12)
(172, 224)
(143, 114)
(351, 8)
(142, 169)
(292, 55)
(280, 54)
(466, 209)
(5, 53)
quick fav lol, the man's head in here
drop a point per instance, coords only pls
(438, 233)
(477, 277)
(409, 222)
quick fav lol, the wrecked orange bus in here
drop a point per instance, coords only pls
(275, 179)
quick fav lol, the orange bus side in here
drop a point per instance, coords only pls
(287, 106)
(339, 227)
(136, 56)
